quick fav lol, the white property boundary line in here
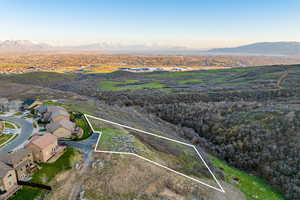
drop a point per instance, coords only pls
(155, 163)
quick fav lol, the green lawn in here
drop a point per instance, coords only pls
(5, 137)
(27, 193)
(9, 125)
(189, 74)
(253, 187)
(46, 174)
(50, 170)
(128, 85)
(82, 123)
(106, 137)
(18, 113)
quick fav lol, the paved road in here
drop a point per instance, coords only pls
(26, 132)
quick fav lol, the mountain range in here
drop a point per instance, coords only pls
(262, 48)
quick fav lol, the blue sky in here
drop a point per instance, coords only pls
(191, 23)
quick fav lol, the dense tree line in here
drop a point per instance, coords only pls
(258, 138)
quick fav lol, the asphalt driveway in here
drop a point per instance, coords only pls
(26, 132)
(85, 146)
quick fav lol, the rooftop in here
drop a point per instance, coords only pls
(4, 168)
(44, 140)
(14, 157)
(62, 123)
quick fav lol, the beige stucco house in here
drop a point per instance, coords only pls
(62, 129)
(59, 115)
(43, 147)
(20, 160)
(8, 181)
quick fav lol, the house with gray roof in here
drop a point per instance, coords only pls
(62, 128)
(20, 160)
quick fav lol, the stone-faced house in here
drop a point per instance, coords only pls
(61, 129)
(8, 181)
(20, 160)
(43, 147)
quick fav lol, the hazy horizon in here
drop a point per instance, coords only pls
(191, 24)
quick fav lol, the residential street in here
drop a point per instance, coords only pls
(26, 132)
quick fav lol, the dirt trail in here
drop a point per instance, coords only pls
(77, 187)
(281, 79)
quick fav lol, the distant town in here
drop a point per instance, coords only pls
(105, 63)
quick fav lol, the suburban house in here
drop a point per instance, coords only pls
(50, 113)
(58, 120)
(63, 128)
(44, 147)
(41, 109)
(6, 105)
(59, 115)
(30, 103)
(21, 161)
(8, 181)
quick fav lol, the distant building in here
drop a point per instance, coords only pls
(20, 160)
(43, 147)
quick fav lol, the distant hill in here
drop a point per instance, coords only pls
(22, 45)
(263, 48)
(109, 47)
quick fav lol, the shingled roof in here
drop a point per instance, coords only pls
(14, 157)
(62, 123)
(4, 168)
(44, 140)
(58, 113)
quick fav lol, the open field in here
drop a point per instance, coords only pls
(128, 85)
